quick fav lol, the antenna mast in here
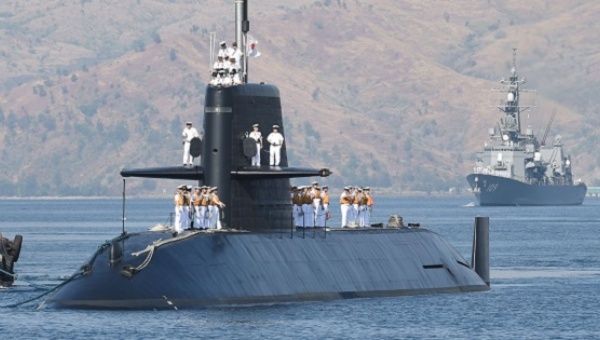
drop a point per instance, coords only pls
(242, 27)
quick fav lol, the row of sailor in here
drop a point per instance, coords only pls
(200, 209)
(310, 205)
(356, 205)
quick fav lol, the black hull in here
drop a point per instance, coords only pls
(496, 190)
(225, 268)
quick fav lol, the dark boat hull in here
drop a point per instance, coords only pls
(224, 268)
(496, 190)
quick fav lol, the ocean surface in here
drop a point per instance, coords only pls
(545, 278)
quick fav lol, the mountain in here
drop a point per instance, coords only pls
(393, 94)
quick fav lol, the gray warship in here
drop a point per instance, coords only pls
(259, 256)
(516, 168)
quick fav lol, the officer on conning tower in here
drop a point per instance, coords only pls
(188, 134)
(276, 140)
(219, 64)
(223, 50)
(257, 136)
(234, 51)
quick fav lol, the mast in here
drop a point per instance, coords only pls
(242, 27)
(511, 106)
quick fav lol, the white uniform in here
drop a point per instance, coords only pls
(236, 79)
(234, 66)
(185, 217)
(188, 134)
(218, 65)
(234, 53)
(307, 216)
(178, 213)
(318, 213)
(227, 81)
(324, 210)
(222, 52)
(276, 141)
(215, 81)
(345, 208)
(257, 136)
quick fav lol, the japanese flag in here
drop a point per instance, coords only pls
(253, 48)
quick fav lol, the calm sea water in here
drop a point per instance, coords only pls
(545, 279)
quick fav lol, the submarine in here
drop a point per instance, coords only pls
(258, 256)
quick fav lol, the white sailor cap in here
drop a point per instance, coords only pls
(255, 125)
(315, 183)
(181, 187)
(188, 123)
(223, 43)
(325, 187)
(346, 188)
(367, 188)
(189, 187)
(275, 126)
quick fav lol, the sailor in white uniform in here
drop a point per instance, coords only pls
(276, 140)
(215, 80)
(188, 134)
(233, 65)
(179, 201)
(234, 52)
(345, 205)
(223, 50)
(235, 77)
(257, 136)
(317, 205)
(214, 205)
(219, 64)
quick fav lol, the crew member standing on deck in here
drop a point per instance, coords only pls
(307, 210)
(188, 134)
(204, 207)
(325, 203)
(345, 202)
(178, 200)
(257, 136)
(319, 211)
(297, 206)
(276, 140)
(357, 206)
(197, 204)
(214, 205)
(187, 200)
(369, 204)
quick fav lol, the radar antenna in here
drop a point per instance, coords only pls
(511, 104)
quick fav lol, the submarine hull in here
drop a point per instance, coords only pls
(225, 268)
(495, 190)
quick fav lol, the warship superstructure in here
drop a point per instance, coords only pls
(515, 167)
(259, 256)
